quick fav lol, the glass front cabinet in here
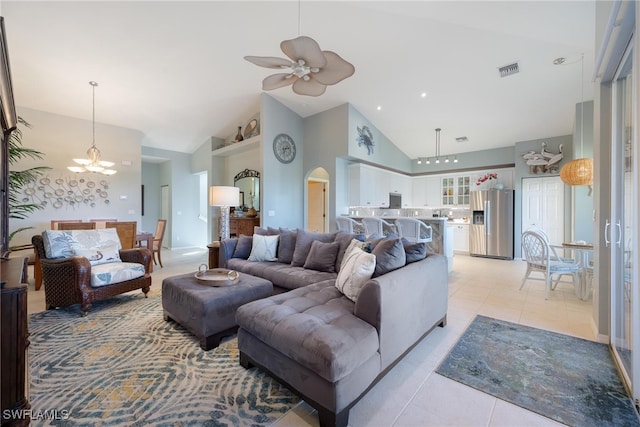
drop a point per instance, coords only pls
(455, 190)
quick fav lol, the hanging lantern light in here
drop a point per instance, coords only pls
(579, 171)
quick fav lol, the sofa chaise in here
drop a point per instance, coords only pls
(329, 344)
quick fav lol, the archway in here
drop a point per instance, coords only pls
(318, 200)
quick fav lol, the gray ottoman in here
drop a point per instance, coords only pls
(207, 311)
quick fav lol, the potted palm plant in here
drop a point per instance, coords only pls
(18, 179)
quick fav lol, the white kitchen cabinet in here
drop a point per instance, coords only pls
(455, 190)
(420, 192)
(460, 237)
(370, 186)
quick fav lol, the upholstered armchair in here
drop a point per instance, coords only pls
(69, 280)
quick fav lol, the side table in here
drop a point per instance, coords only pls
(214, 254)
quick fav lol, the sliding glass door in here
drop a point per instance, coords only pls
(625, 325)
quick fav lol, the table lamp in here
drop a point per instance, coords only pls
(224, 197)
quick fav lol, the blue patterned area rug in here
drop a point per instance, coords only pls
(567, 379)
(124, 365)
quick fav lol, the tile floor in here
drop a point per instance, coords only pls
(412, 394)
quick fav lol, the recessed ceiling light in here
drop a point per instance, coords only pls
(559, 61)
(379, 107)
(423, 95)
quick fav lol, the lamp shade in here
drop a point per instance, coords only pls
(577, 172)
(224, 196)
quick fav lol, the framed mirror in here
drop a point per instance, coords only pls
(248, 181)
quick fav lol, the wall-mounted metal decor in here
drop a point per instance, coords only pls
(71, 192)
(544, 161)
(365, 137)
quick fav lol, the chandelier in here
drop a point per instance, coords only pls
(427, 160)
(93, 163)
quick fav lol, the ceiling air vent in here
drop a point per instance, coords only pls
(509, 70)
(462, 139)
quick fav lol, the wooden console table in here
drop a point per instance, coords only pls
(242, 225)
(14, 340)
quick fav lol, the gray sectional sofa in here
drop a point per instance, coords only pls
(327, 346)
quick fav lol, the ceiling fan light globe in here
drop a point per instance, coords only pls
(82, 161)
(109, 172)
(76, 169)
(105, 163)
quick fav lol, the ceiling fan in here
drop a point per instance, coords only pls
(310, 70)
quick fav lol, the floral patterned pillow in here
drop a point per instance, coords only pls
(100, 246)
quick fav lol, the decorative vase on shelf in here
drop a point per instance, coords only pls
(252, 213)
(239, 135)
(498, 186)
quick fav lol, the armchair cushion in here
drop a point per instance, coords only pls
(56, 244)
(98, 246)
(115, 272)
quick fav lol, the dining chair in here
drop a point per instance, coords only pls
(414, 230)
(55, 222)
(102, 222)
(77, 225)
(157, 241)
(373, 225)
(349, 225)
(126, 232)
(538, 254)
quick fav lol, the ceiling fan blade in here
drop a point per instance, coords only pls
(306, 48)
(336, 69)
(309, 87)
(269, 61)
(275, 81)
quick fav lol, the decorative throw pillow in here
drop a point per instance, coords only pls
(357, 267)
(322, 256)
(415, 251)
(102, 255)
(304, 239)
(101, 246)
(264, 248)
(286, 245)
(260, 231)
(389, 255)
(243, 247)
(345, 240)
(57, 244)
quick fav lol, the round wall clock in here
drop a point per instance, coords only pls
(284, 148)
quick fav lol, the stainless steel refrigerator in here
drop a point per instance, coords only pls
(491, 228)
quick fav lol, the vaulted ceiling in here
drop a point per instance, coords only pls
(175, 70)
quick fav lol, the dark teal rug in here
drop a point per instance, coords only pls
(567, 379)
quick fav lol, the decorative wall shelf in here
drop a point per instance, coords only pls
(238, 147)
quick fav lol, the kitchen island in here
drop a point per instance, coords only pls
(442, 236)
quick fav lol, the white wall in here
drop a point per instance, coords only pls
(63, 138)
(184, 229)
(282, 184)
